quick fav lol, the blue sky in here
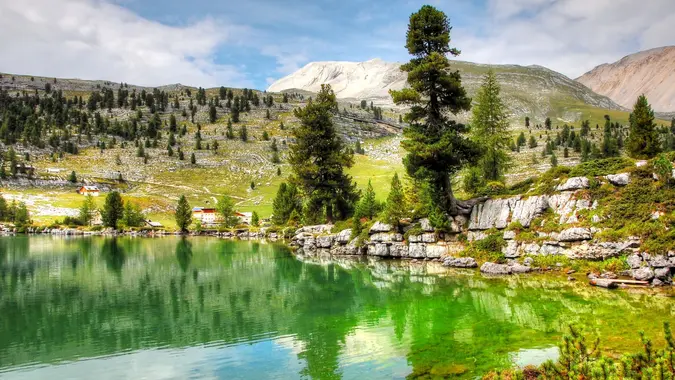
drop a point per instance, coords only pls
(249, 43)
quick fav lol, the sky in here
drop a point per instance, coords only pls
(251, 43)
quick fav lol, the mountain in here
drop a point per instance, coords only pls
(531, 90)
(650, 72)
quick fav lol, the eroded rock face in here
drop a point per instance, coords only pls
(526, 210)
(494, 268)
(460, 262)
(380, 227)
(574, 183)
(493, 213)
(575, 234)
(621, 179)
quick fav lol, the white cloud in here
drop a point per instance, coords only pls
(569, 36)
(94, 39)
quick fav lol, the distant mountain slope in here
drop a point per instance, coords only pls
(532, 90)
(650, 72)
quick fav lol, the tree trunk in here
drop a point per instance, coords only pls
(456, 206)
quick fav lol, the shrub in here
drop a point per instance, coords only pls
(602, 167)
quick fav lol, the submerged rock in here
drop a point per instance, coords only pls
(518, 268)
(494, 268)
(460, 262)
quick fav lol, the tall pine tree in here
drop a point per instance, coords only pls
(643, 140)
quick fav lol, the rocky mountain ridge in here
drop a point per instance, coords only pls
(650, 72)
(531, 90)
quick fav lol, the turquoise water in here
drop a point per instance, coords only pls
(205, 308)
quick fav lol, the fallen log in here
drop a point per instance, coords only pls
(614, 283)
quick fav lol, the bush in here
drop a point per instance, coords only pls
(602, 167)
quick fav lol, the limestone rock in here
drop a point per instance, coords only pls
(381, 250)
(643, 274)
(511, 250)
(493, 213)
(526, 210)
(380, 227)
(317, 229)
(325, 241)
(528, 261)
(476, 235)
(493, 268)
(598, 251)
(575, 234)
(429, 238)
(659, 261)
(509, 235)
(663, 274)
(415, 238)
(621, 179)
(417, 250)
(550, 250)
(460, 262)
(398, 250)
(425, 225)
(530, 248)
(344, 236)
(436, 251)
(574, 183)
(382, 237)
(634, 261)
(518, 268)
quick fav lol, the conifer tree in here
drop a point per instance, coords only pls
(183, 214)
(112, 209)
(368, 207)
(437, 148)
(643, 141)
(318, 159)
(193, 159)
(243, 133)
(395, 207)
(87, 210)
(285, 203)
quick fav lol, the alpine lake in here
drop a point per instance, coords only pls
(208, 308)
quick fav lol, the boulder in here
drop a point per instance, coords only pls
(493, 268)
(526, 210)
(436, 251)
(476, 235)
(344, 236)
(417, 250)
(415, 238)
(509, 235)
(659, 261)
(574, 183)
(575, 234)
(382, 237)
(425, 225)
(493, 213)
(528, 261)
(511, 250)
(663, 274)
(621, 179)
(518, 268)
(380, 227)
(530, 248)
(634, 261)
(325, 241)
(429, 238)
(550, 249)
(460, 262)
(398, 250)
(643, 274)
(381, 250)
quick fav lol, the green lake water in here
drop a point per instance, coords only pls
(206, 308)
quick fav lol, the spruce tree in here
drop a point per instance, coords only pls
(243, 133)
(87, 210)
(319, 159)
(285, 203)
(112, 209)
(183, 214)
(368, 206)
(73, 177)
(395, 208)
(643, 140)
(437, 148)
(213, 114)
(193, 159)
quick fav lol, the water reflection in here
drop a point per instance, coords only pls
(211, 308)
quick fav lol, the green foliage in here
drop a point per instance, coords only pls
(368, 206)
(183, 214)
(318, 159)
(87, 210)
(490, 129)
(255, 219)
(664, 169)
(243, 133)
(395, 208)
(225, 207)
(643, 141)
(437, 148)
(113, 209)
(132, 215)
(488, 249)
(73, 177)
(473, 181)
(581, 359)
(285, 203)
(601, 167)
